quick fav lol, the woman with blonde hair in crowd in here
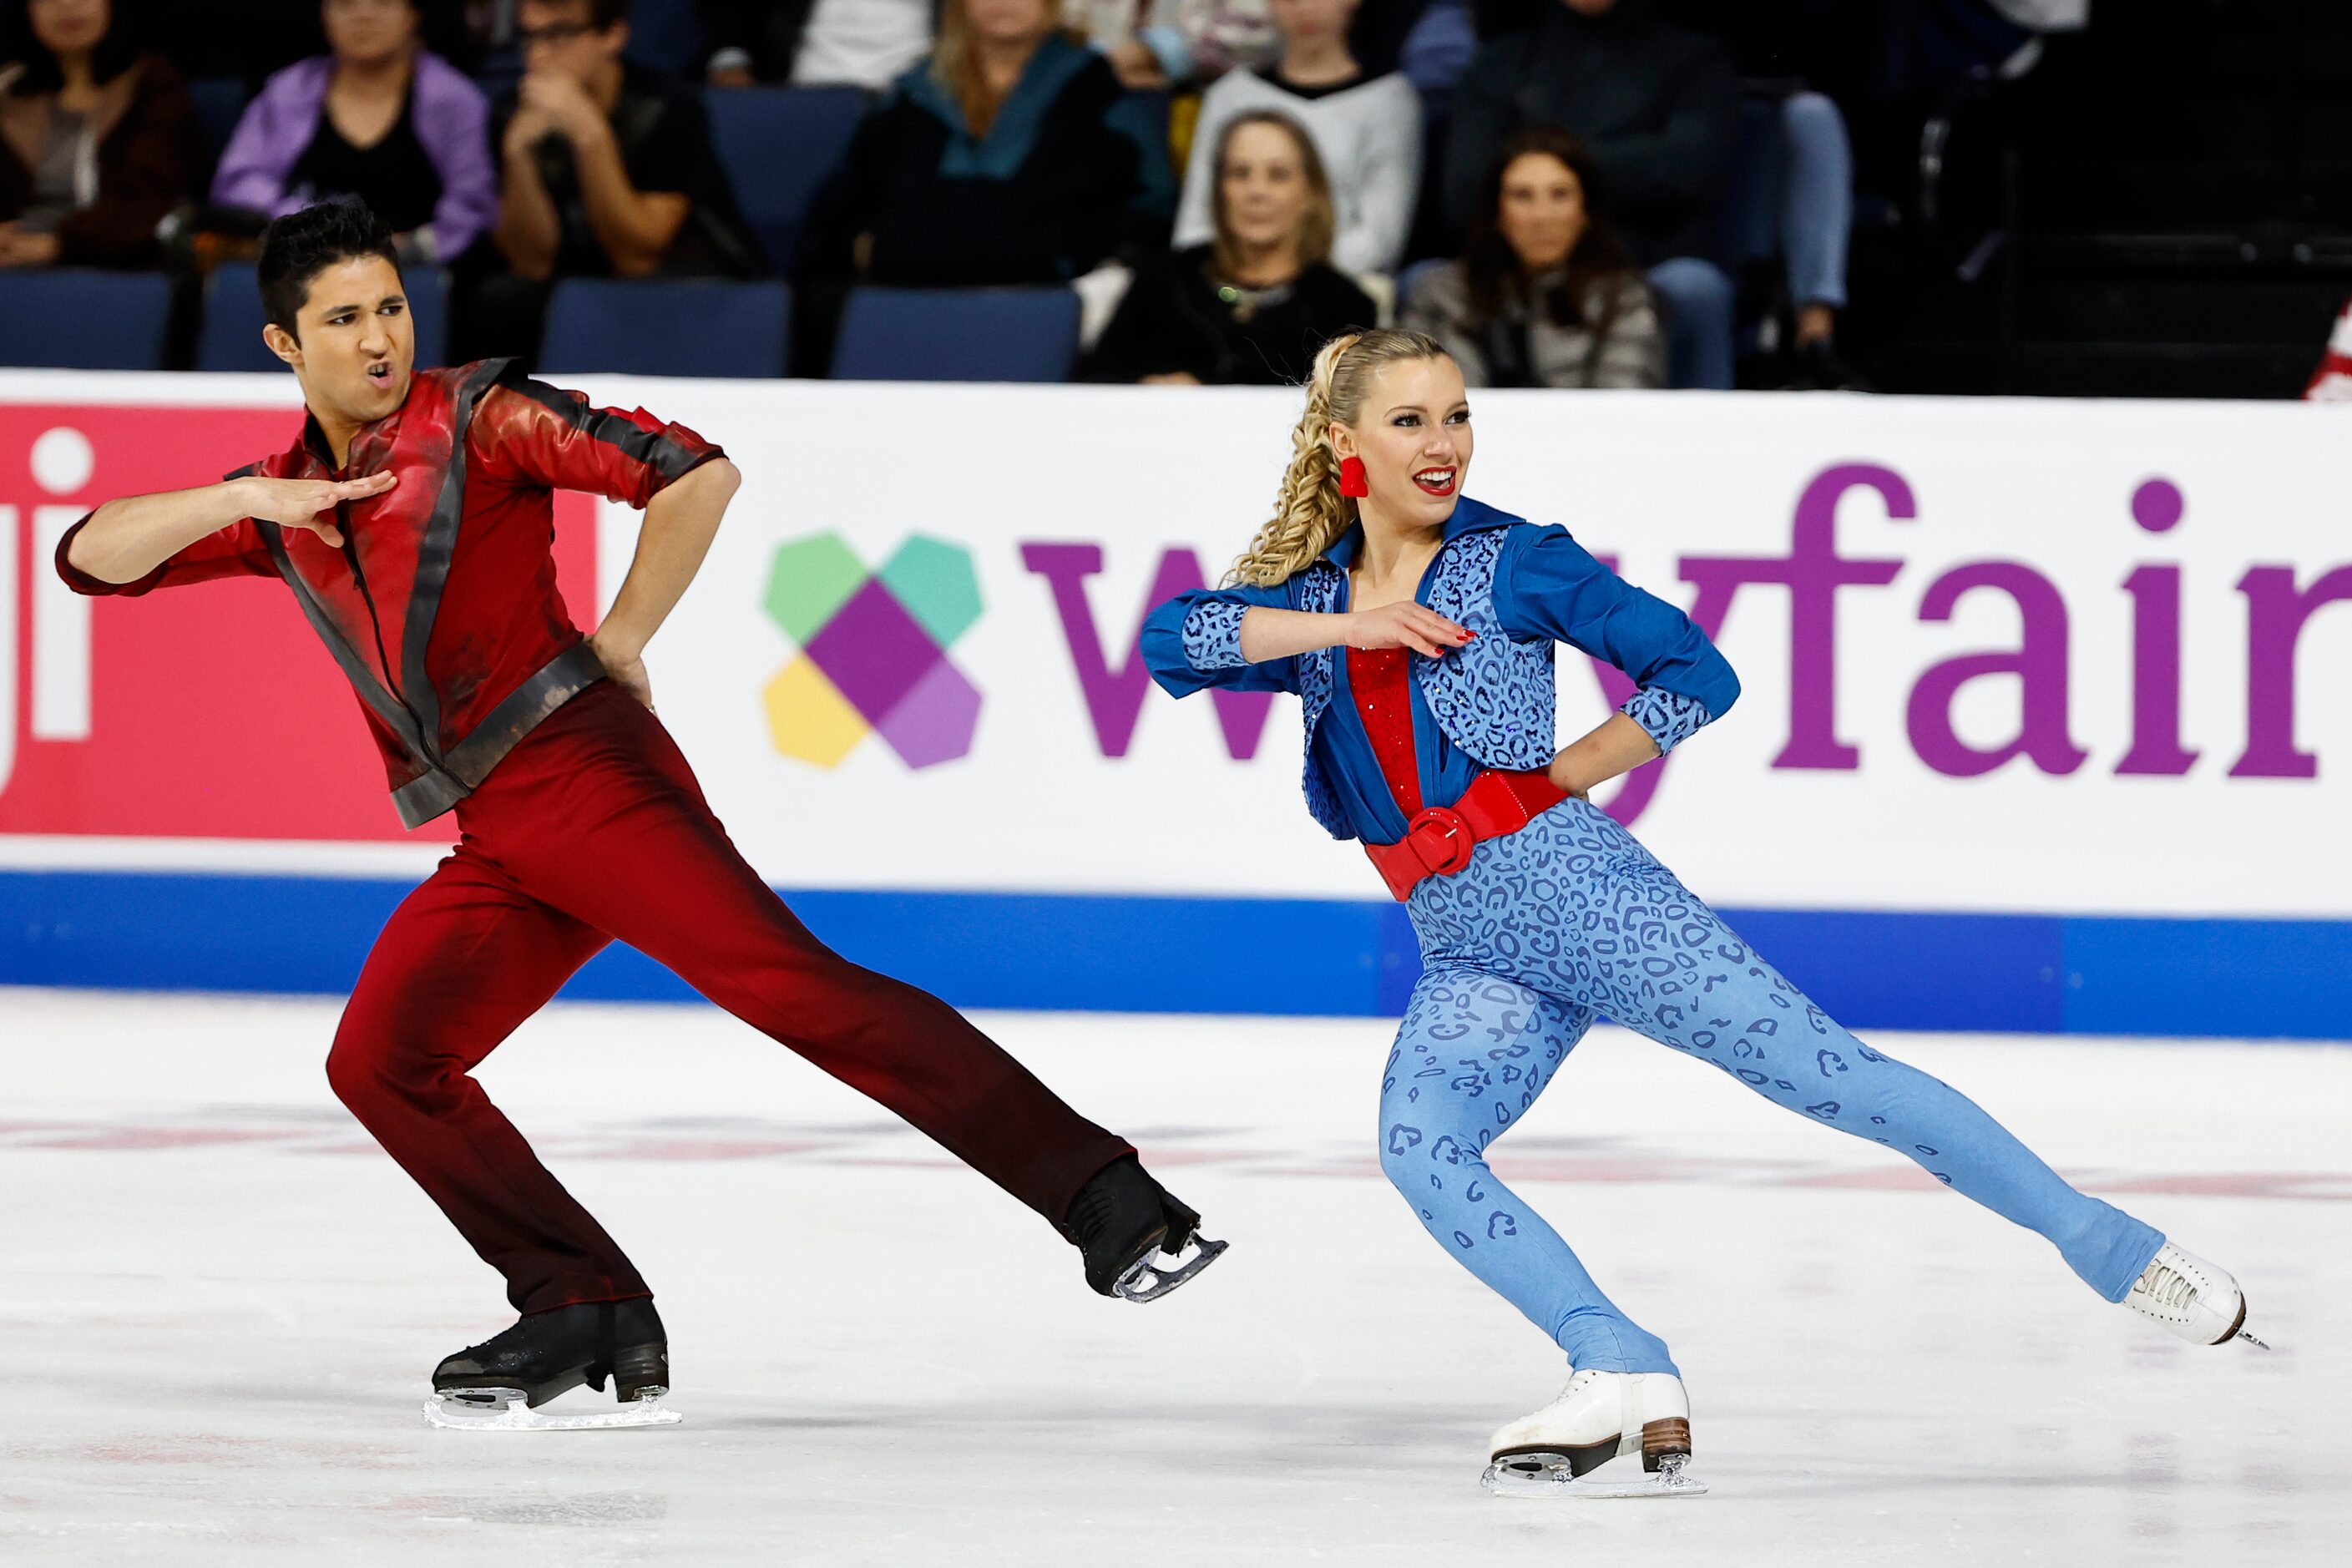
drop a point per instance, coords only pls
(1418, 627)
(98, 138)
(1367, 130)
(1253, 304)
(1545, 293)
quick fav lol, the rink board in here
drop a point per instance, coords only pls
(1880, 970)
(2041, 701)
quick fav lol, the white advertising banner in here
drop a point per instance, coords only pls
(1998, 654)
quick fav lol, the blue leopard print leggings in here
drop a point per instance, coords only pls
(1571, 918)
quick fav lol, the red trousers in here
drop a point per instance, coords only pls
(593, 829)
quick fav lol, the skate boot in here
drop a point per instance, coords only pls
(1608, 1435)
(1119, 1220)
(499, 1384)
(2192, 1298)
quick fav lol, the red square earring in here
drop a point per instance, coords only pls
(1351, 477)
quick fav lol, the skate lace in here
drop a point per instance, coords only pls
(2167, 1288)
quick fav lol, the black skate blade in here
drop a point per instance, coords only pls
(1146, 1281)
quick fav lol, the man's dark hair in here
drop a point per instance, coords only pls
(302, 244)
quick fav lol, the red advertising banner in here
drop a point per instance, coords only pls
(204, 712)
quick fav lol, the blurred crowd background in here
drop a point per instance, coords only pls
(2091, 197)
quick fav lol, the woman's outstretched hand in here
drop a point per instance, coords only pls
(1405, 624)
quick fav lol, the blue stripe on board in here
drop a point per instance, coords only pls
(1994, 972)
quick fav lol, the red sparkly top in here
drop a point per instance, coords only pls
(1380, 681)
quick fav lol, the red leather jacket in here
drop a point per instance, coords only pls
(441, 605)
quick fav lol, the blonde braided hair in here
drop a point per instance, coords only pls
(1309, 513)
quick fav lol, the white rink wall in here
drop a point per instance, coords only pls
(2043, 700)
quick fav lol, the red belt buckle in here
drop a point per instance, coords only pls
(1441, 840)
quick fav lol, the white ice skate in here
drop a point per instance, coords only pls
(2192, 1298)
(1608, 1435)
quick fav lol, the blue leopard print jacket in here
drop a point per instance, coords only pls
(1522, 589)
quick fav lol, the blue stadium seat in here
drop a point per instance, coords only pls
(76, 318)
(957, 334)
(778, 144)
(230, 338)
(220, 103)
(667, 326)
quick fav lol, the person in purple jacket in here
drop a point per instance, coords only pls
(379, 118)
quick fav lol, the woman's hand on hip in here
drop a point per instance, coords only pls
(1405, 624)
(1563, 774)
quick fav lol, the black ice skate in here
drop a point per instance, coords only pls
(499, 1384)
(1119, 1220)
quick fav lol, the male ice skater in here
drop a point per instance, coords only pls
(413, 521)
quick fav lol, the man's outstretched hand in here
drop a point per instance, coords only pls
(309, 503)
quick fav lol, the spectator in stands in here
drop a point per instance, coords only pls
(1658, 108)
(608, 167)
(816, 43)
(1155, 45)
(1367, 131)
(1012, 156)
(1545, 294)
(378, 118)
(1798, 55)
(1254, 304)
(98, 139)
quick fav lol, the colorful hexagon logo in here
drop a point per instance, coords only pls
(874, 650)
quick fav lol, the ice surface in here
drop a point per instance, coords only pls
(221, 1305)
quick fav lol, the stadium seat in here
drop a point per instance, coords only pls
(230, 337)
(957, 334)
(220, 103)
(74, 318)
(667, 326)
(778, 144)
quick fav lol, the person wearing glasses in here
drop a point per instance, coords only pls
(606, 170)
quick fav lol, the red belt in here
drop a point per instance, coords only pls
(1437, 841)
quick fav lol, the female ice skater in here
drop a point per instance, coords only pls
(1432, 740)
(412, 520)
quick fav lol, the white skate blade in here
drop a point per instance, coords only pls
(1547, 1475)
(503, 1410)
(1146, 1281)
